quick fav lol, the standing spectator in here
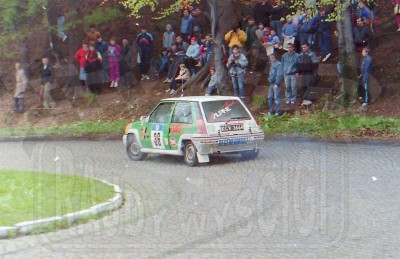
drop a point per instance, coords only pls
(278, 13)
(209, 47)
(21, 81)
(366, 71)
(177, 58)
(60, 25)
(246, 11)
(125, 64)
(289, 69)
(102, 47)
(307, 67)
(362, 11)
(397, 13)
(92, 35)
(47, 79)
(324, 34)
(296, 20)
(93, 67)
(237, 64)
(200, 23)
(362, 35)
(184, 75)
(275, 80)
(252, 44)
(145, 42)
(308, 27)
(289, 31)
(114, 56)
(213, 82)
(235, 37)
(168, 37)
(262, 11)
(186, 25)
(80, 56)
(193, 55)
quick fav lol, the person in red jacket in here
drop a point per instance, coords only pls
(80, 57)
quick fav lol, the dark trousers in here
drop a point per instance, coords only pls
(145, 61)
(324, 43)
(19, 105)
(305, 82)
(173, 67)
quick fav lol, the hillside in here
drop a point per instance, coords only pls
(138, 100)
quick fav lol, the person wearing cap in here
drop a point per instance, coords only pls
(193, 55)
(213, 82)
(237, 64)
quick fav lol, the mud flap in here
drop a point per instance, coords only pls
(203, 158)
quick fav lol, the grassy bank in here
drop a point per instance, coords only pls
(74, 129)
(26, 196)
(332, 125)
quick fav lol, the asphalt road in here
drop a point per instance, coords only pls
(299, 198)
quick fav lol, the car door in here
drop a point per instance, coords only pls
(181, 123)
(155, 132)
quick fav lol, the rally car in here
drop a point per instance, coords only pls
(195, 127)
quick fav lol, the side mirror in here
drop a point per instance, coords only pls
(144, 119)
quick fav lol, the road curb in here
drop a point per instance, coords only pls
(28, 227)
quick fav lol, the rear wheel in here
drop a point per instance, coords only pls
(249, 154)
(133, 149)
(190, 154)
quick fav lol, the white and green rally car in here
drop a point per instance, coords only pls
(195, 127)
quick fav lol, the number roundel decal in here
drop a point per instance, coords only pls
(157, 136)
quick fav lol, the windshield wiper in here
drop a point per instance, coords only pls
(237, 118)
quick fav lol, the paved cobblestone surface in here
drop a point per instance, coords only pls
(299, 198)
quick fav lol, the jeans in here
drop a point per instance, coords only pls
(274, 96)
(238, 85)
(324, 43)
(211, 89)
(19, 105)
(291, 89)
(363, 91)
(60, 27)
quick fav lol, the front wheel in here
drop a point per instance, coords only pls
(190, 154)
(249, 154)
(133, 149)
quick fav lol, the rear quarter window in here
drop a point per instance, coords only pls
(222, 111)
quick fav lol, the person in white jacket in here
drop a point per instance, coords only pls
(183, 76)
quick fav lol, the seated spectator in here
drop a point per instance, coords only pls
(177, 58)
(289, 31)
(184, 75)
(193, 55)
(260, 31)
(213, 82)
(274, 40)
(161, 65)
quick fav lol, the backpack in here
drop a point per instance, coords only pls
(304, 63)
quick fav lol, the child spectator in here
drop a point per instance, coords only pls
(80, 56)
(213, 82)
(366, 70)
(260, 31)
(93, 34)
(21, 81)
(114, 55)
(161, 65)
(265, 37)
(274, 40)
(184, 75)
(275, 79)
(168, 37)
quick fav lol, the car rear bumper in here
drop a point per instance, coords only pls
(231, 144)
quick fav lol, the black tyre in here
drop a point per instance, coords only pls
(190, 154)
(133, 149)
(249, 154)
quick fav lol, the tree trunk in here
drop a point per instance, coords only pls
(349, 80)
(224, 14)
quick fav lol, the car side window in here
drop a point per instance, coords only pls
(162, 113)
(182, 113)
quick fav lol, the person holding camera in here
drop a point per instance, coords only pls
(235, 37)
(237, 64)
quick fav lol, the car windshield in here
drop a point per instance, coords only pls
(224, 111)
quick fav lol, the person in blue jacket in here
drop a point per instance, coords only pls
(366, 71)
(307, 27)
(324, 34)
(275, 80)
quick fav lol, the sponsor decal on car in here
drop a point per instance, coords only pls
(232, 141)
(175, 128)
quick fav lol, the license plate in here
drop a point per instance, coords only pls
(232, 141)
(232, 127)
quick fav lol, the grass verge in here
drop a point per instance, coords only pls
(332, 126)
(26, 196)
(75, 129)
